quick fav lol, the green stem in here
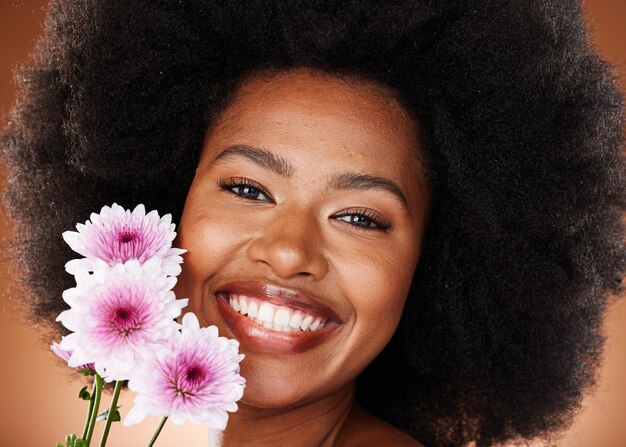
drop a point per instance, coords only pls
(91, 399)
(98, 386)
(157, 432)
(112, 409)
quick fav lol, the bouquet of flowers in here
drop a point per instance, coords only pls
(124, 329)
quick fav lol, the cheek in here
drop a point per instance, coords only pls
(377, 283)
(213, 240)
(381, 293)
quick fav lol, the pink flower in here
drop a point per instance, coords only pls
(194, 376)
(117, 315)
(87, 369)
(117, 235)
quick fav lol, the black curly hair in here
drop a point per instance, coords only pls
(522, 123)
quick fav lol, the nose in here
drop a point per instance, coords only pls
(291, 245)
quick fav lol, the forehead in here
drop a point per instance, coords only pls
(319, 117)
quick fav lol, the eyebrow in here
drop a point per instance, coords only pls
(357, 181)
(347, 180)
(258, 156)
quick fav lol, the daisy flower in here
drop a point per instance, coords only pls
(87, 369)
(194, 376)
(117, 235)
(117, 314)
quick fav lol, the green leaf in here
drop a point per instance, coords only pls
(116, 416)
(84, 394)
(72, 441)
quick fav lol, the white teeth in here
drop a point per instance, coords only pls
(266, 312)
(282, 317)
(314, 325)
(253, 309)
(306, 322)
(295, 321)
(243, 305)
(274, 317)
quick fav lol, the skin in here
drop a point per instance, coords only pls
(307, 235)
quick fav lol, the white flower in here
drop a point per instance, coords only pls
(194, 376)
(87, 369)
(119, 314)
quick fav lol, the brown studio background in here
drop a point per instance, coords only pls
(39, 404)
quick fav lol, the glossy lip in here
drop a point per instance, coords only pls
(259, 339)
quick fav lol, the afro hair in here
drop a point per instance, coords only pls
(522, 123)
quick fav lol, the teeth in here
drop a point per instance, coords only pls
(274, 317)
(235, 304)
(243, 305)
(253, 309)
(306, 322)
(266, 312)
(282, 317)
(295, 321)
(315, 325)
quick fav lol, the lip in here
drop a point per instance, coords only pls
(259, 339)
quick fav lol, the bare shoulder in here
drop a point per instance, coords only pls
(363, 429)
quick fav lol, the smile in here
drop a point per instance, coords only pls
(274, 320)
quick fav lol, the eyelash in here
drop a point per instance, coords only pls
(242, 182)
(379, 224)
(372, 216)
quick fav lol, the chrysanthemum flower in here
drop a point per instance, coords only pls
(118, 314)
(87, 369)
(117, 235)
(195, 376)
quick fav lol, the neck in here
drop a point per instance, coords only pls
(312, 424)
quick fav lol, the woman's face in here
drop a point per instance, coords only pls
(306, 212)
